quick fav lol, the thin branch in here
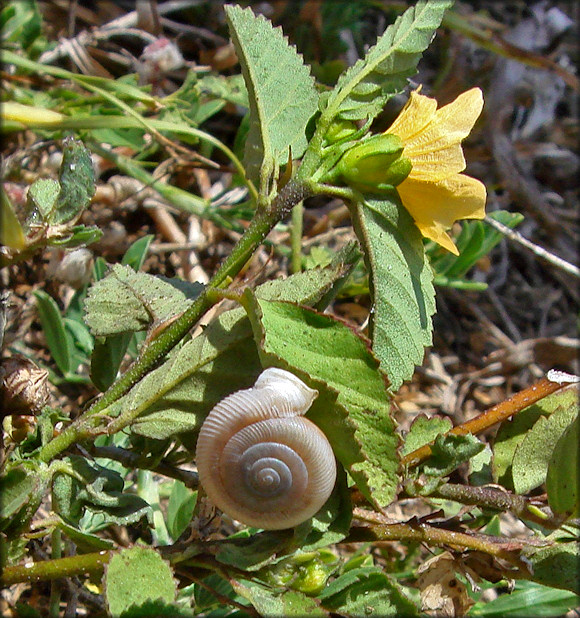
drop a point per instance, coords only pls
(134, 460)
(493, 415)
(536, 249)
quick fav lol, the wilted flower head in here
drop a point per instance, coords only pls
(435, 193)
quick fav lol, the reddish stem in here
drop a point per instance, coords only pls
(493, 415)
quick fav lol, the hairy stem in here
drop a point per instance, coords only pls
(496, 498)
(90, 564)
(153, 354)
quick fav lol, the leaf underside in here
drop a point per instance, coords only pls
(401, 283)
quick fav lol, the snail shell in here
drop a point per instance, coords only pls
(259, 460)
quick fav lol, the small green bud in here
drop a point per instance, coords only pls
(376, 164)
(307, 572)
(340, 130)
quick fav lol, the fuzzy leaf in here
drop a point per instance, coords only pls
(366, 591)
(281, 92)
(176, 397)
(363, 90)
(135, 577)
(555, 565)
(269, 602)
(424, 430)
(401, 284)
(353, 406)
(128, 301)
(532, 456)
(562, 476)
(512, 432)
(77, 182)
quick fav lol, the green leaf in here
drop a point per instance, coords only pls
(424, 430)
(363, 90)
(449, 451)
(127, 301)
(545, 601)
(99, 491)
(401, 283)
(41, 201)
(106, 359)
(562, 477)
(280, 602)
(176, 397)
(353, 406)
(59, 341)
(137, 252)
(556, 565)
(512, 432)
(78, 236)
(84, 541)
(281, 92)
(533, 454)
(366, 591)
(134, 577)
(22, 489)
(77, 182)
(180, 509)
(21, 22)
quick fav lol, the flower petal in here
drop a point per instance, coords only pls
(435, 206)
(451, 124)
(418, 113)
(432, 137)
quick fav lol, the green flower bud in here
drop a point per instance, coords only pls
(340, 130)
(307, 572)
(375, 165)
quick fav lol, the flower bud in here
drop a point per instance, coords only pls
(339, 130)
(306, 572)
(376, 164)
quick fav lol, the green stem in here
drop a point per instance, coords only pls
(89, 564)
(83, 427)
(296, 237)
(54, 604)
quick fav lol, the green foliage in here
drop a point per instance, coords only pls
(282, 95)
(138, 582)
(545, 601)
(475, 241)
(562, 476)
(98, 469)
(362, 91)
(513, 434)
(127, 301)
(352, 409)
(401, 286)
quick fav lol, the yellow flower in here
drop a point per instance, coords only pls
(435, 193)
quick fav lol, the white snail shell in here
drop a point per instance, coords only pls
(259, 460)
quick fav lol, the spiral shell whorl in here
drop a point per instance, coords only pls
(259, 461)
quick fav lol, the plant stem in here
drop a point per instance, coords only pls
(54, 604)
(90, 564)
(296, 237)
(493, 415)
(134, 460)
(494, 498)
(261, 225)
(439, 537)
